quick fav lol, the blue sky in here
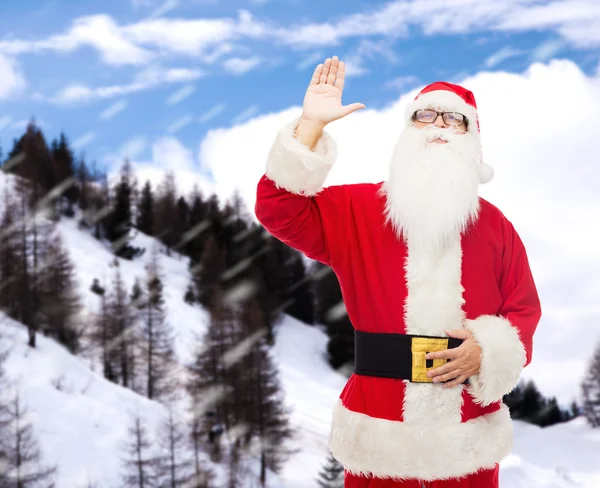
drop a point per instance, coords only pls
(117, 74)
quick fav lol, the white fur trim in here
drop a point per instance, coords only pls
(293, 166)
(502, 360)
(433, 305)
(443, 100)
(426, 450)
(486, 173)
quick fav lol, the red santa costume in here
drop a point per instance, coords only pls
(418, 254)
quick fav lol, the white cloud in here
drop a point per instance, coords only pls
(577, 21)
(211, 113)
(239, 66)
(113, 110)
(168, 154)
(138, 43)
(11, 78)
(83, 140)
(149, 78)
(502, 54)
(98, 31)
(546, 183)
(180, 95)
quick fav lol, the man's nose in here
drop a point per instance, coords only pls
(439, 122)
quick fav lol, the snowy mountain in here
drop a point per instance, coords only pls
(81, 419)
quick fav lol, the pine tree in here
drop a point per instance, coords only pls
(35, 167)
(175, 469)
(166, 211)
(121, 353)
(4, 421)
(60, 302)
(195, 235)
(591, 390)
(102, 334)
(9, 256)
(267, 417)
(332, 474)
(158, 354)
(331, 312)
(24, 465)
(145, 217)
(64, 164)
(140, 464)
(118, 224)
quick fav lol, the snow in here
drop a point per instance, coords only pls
(82, 423)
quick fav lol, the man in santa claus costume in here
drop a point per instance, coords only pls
(435, 280)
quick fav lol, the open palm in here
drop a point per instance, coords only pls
(323, 99)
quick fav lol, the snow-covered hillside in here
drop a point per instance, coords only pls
(81, 419)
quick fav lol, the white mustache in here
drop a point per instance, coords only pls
(431, 132)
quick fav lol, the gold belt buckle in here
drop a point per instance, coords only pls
(419, 347)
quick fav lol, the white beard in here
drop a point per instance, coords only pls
(431, 192)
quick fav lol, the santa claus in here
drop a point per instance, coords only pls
(435, 279)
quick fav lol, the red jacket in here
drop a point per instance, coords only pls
(388, 427)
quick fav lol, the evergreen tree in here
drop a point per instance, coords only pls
(267, 417)
(140, 464)
(166, 211)
(119, 222)
(195, 234)
(60, 302)
(332, 474)
(103, 333)
(175, 469)
(9, 256)
(145, 216)
(591, 390)
(158, 354)
(331, 312)
(121, 323)
(64, 164)
(35, 167)
(24, 465)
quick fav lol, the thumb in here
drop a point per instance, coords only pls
(348, 109)
(459, 333)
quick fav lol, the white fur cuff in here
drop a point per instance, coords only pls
(293, 166)
(502, 359)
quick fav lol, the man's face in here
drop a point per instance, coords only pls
(443, 120)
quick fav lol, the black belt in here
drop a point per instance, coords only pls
(398, 355)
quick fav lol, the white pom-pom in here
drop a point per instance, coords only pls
(486, 173)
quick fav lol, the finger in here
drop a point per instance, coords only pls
(316, 74)
(325, 72)
(445, 354)
(455, 382)
(348, 109)
(333, 70)
(448, 376)
(443, 369)
(341, 75)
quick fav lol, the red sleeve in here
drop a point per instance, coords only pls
(312, 225)
(292, 203)
(521, 304)
(506, 339)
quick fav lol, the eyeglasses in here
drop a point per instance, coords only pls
(428, 116)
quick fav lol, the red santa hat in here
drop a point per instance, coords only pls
(446, 96)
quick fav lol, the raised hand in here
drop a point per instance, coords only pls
(323, 99)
